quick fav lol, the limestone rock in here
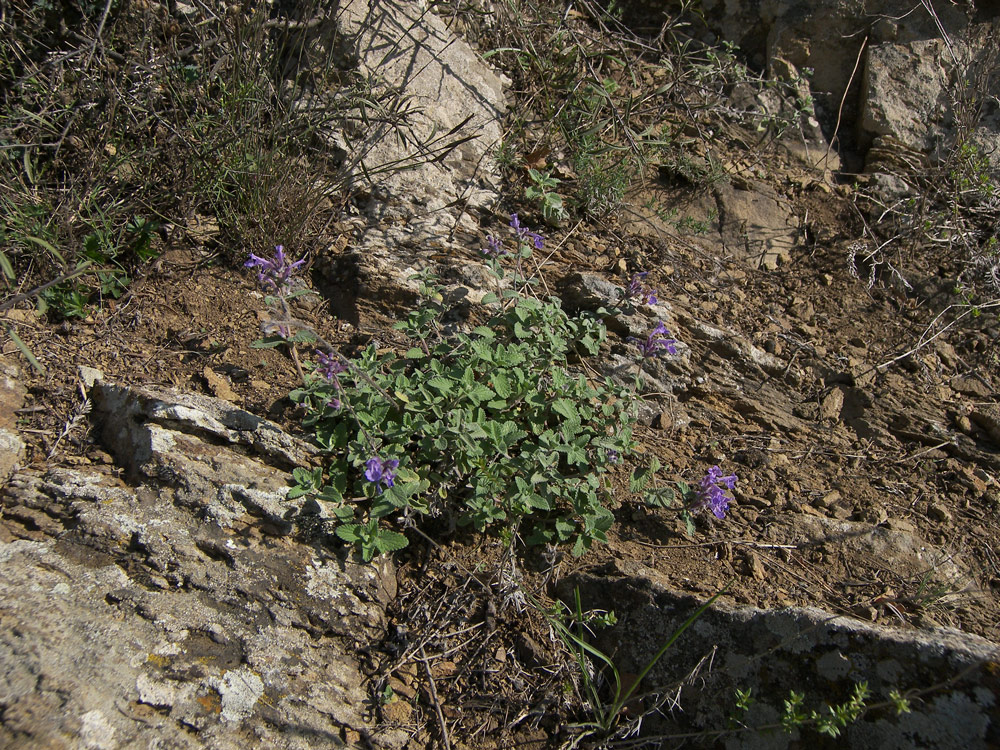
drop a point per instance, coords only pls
(453, 102)
(194, 606)
(756, 226)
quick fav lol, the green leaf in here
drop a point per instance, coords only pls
(415, 352)
(349, 532)
(441, 385)
(479, 393)
(268, 342)
(564, 528)
(501, 385)
(43, 244)
(483, 349)
(538, 502)
(332, 493)
(390, 541)
(566, 408)
(689, 527)
(6, 267)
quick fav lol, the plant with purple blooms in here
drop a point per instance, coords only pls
(710, 496)
(523, 233)
(328, 367)
(657, 343)
(494, 247)
(527, 242)
(275, 273)
(381, 473)
(276, 276)
(493, 427)
(639, 292)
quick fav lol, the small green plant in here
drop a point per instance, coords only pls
(492, 426)
(796, 718)
(542, 191)
(602, 182)
(830, 723)
(596, 667)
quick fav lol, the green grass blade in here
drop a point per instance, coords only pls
(6, 267)
(622, 700)
(47, 246)
(25, 351)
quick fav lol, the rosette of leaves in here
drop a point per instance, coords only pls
(495, 427)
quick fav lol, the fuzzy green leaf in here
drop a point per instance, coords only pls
(349, 532)
(390, 541)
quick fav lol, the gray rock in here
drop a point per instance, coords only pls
(911, 89)
(189, 608)
(431, 178)
(802, 649)
(12, 452)
(12, 391)
(825, 36)
(756, 225)
(146, 425)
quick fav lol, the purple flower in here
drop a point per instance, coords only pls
(710, 495)
(277, 273)
(658, 342)
(329, 365)
(334, 403)
(637, 290)
(381, 472)
(525, 233)
(494, 247)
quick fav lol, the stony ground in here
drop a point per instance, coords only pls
(866, 479)
(863, 427)
(863, 489)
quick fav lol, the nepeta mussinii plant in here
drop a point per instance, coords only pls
(276, 276)
(492, 428)
(708, 497)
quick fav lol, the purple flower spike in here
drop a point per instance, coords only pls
(275, 274)
(329, 365)
(637, 290)
(381, 472)
(657, 343)
(524, 233)
(494, 247)
(710, 495)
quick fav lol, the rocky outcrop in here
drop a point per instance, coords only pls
(193, 606)
(11, 399)
(924, 95)
(426, 158)
(802, 649)
(917, 76)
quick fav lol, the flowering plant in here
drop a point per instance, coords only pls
(491, 428)
(497, 427)
(708, 497)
